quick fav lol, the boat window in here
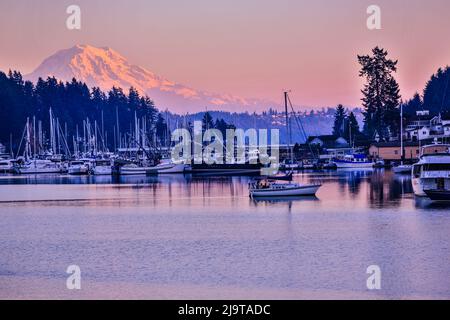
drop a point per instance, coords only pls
(416, 171)
(437, 167)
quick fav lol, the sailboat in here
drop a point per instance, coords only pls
(271, 188)
(402, 168)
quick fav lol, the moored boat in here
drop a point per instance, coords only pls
(357, 161)
(275, 189)
(403, 168)
(6, 166)
(432, 172)
(102, 167)
(38, 166)
(78, 168)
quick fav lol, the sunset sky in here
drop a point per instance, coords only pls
(250, 48)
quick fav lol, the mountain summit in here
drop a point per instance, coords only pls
(105, 68)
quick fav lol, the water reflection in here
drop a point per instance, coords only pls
(286, 202)
(370, 188)
(207, 232)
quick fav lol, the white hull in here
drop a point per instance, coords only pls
(305, 190)
(39, 167)
(77, 171)
(102, 170)
(6, 169)
(170, 168)
(131, 171)
(32, 170)
(402, 169)
(421, 184)
(354, 165)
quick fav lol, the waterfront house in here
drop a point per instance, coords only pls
(428, 127)
(391, 151)
(329, 146)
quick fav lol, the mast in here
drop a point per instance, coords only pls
(34, 137)
(401, 133)
(288, 129)
(11, 145)
(118, 129)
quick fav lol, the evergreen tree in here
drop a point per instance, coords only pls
(339, 117)
(436, 95)
(161, 129)
(207, 122)
(413, 105)
(381, 94)
(351, 127)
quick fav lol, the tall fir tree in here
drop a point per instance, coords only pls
(339, 118)
(207, 122)
(351, 128)
(381, 96)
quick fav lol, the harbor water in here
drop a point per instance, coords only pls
(188, 237)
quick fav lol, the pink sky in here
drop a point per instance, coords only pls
(250, 48)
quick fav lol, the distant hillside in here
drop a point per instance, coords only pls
(314, 122)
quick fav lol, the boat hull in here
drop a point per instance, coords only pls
(307, 190)
(78, 171)
(37, 170)
(402, 169)
(170, 168)
(225, 169)
(422, 184)
(354, 165)
(102, 170)
(438, 195)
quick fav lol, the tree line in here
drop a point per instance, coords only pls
(72, 102)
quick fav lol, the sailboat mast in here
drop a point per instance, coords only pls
(288, 130)
(401, 133)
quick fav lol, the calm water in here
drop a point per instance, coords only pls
(187, 232)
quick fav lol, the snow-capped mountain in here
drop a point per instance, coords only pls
(105, 68)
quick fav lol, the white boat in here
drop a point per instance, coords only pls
(102, 167)
(6, 166)
(167, 166)
(274, 189)
(350, 161)
(78, 168)
(134, 169)
(432, 172)
(38, 166)
(403, 168)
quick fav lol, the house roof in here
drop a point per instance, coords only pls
(324, 138)
(392, 144)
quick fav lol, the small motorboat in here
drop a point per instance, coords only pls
(78, 168)
(438, 194)
(403, 168)
(268, 188)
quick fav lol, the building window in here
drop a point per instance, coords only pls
(396, 152)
